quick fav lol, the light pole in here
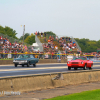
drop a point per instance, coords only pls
(23, 32)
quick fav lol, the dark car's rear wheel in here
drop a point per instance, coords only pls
(15, 65)
(22, 65)
(28, 64)
(69, 68)
(34, 65)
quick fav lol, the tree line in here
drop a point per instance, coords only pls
(88, 45)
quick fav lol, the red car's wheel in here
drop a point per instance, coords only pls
(84, 67)
(69, 68)
(91, 67)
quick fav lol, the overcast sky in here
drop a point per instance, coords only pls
(76, 18)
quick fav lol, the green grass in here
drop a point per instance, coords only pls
(87, 95)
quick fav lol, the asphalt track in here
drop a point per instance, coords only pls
(7, 71)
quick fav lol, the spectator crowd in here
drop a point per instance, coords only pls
(7, 47)
(54, 47)
(64, 44)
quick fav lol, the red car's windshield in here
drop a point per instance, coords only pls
(82, 58)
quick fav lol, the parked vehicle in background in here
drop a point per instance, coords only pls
(25, 59)
(80, 62)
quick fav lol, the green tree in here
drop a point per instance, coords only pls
(8, 31)
(50, 33)
(88, 45)
(30, 39)
(25, 36)
(82, 43)
(2, 30)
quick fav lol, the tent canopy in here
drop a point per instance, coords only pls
(35, 44)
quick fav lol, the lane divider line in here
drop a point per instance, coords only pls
(42, 64)
(37, 64)
(28, 75)
(24, 69)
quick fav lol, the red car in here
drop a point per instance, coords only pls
(80, 62)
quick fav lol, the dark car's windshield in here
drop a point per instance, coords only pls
(83, 58)
(25, 56)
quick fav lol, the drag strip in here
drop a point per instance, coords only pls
(42, 68)
(11, 71)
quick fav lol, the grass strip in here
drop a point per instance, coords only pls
(87, 95)
(6, 59)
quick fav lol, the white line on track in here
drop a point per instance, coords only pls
(23, 69)
(37, 64)
(44, 73)
(42, 64)
(96, 62)
(33, 68)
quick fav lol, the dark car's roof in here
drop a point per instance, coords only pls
(25, 56)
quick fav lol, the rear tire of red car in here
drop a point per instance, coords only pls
(90, 67)
(69, 68)
(84, 67)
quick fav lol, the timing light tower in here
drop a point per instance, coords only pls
(23, 32)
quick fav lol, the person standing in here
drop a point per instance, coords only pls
(44, 34)
(41, 35)
(57, 38)
(58, 57)
(38, 33)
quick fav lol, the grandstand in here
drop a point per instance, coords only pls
(47, 44)
(51, 44)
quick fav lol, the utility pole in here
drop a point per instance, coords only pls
(23, 32)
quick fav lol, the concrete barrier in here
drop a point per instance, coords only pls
(39, 82)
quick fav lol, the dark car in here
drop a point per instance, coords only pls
(25, 59)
